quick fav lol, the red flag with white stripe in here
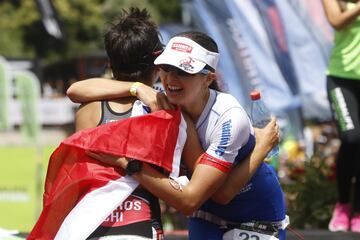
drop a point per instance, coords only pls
(81, 192)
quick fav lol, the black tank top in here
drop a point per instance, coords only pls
(142, 228)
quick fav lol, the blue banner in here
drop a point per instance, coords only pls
(310, 58)
(273, 60)
(255, 56)
(274, 27)
(260, 48)
(274, 88)
(312, 17)
(236, 68)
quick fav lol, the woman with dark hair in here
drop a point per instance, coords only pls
(187, 71)
(343, 86)
(132, 44)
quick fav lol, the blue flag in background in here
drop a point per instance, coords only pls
(312, 15)
(241, 66)
(274, 26)
(269, 50)
(169, 30)
(260, 48)
(309, 58)
(274, 88)
(235, 66)
(314, 18)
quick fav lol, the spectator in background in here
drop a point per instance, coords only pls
(343, 86)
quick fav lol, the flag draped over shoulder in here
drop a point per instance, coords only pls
(80, 192)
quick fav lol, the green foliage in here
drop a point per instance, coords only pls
(170, 10)
(111, 8)
(13, 20)
(311, 195)
(83, 22)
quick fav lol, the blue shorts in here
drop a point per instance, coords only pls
(262, 199)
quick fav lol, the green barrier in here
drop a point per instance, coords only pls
(19, 197)
(28, 92)
(4, 94)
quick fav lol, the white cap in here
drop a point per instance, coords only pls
(189, 56)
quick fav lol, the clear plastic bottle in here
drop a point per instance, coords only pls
(260, 116)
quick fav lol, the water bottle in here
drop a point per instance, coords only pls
(260, 116)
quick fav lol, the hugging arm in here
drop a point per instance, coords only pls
(206, 181)
(96, 89)
(337, 17)
(266, 139)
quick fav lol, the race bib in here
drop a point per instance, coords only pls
(240, 234)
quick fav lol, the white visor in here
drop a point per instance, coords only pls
(187, 55)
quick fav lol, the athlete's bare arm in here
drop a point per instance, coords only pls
(206, 181)
(96, 89)
(266, 139)
(192, 149)
(88, 115)
(337, 15)
(192, 195)
(192, 152)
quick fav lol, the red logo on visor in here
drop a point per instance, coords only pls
(186, 64)
(181, 47)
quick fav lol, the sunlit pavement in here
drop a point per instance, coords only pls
(306, 235)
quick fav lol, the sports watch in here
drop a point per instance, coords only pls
(133, 166)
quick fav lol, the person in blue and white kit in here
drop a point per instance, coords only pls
(187, 71)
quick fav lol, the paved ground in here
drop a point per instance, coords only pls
(306, 235)
(47, 136)
(324, 235)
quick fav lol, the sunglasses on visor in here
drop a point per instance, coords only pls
(179, 72)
